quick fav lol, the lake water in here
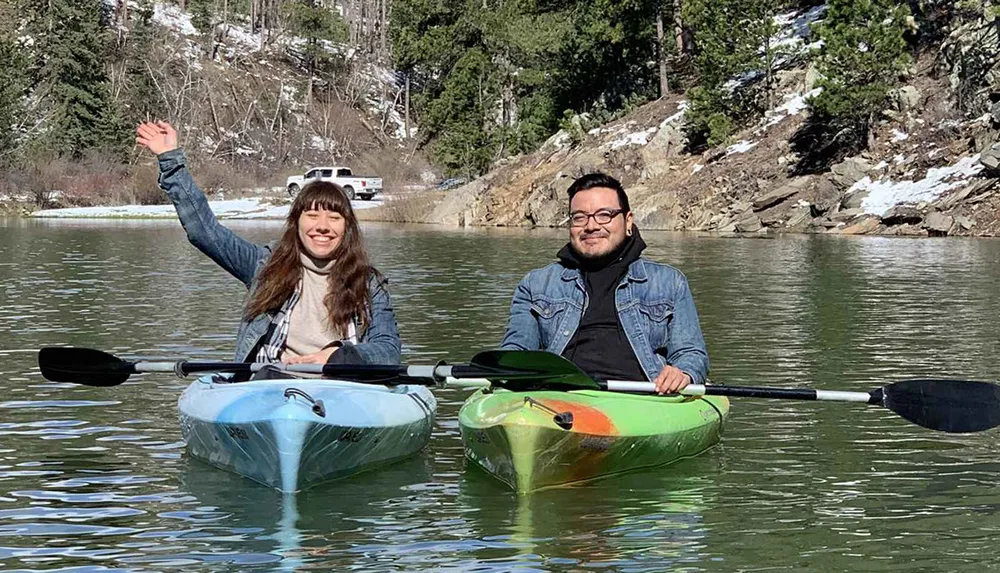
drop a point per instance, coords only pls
(98, 480)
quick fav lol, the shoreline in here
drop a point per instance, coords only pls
(265, 209)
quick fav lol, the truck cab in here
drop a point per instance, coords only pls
(365, 187)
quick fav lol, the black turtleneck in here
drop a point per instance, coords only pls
(599, 346)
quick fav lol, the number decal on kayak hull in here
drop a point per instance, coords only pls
(237, 433)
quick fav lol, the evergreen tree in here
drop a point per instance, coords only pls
(863, 56)
(13, 81)
(609, 61)
(142, 98)
(203, 16)
(735, 59)
(70, 77)
(317, 24)
(485, 73)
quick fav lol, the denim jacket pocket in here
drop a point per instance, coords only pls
(656, 316)
(549, 315)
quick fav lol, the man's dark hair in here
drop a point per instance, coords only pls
(594, 180)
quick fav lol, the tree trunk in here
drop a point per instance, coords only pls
(679, 35)
(121, 13)
(406, 108)
(384, 31)
(661, 53)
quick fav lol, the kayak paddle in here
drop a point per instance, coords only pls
(956, 406)
(97, 368)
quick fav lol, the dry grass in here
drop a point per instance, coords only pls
(408, 208)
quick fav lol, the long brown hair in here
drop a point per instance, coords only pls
(347, 295)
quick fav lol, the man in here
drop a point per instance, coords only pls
(614, 314)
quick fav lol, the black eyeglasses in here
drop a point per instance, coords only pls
(601, 217)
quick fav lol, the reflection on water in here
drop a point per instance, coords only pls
(97, 479)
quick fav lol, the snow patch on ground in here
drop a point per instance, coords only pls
(254, 208)
(681, 109)
(883, 195)
(794, 104)
(899, 135)
(173, 17)
(795, 28)
(741, 146)
(634, 138)
(322, 143)
(626, 135)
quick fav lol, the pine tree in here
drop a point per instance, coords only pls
(203, 16)
(71, 78)
(13, 81)
(318, 25)
(142, 98)
(863, 56)
(735, 59)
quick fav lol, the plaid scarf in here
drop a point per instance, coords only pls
(270, 351)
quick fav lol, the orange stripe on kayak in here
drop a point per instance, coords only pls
(586, 420)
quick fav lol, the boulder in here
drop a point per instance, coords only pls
(990, 159)
(546, 207)
(902, 214)
(813, 76)
(668, 142)
(665, 219)
(740, 207)
(907, 230)
(862, 226)
(906, 98)
(777, 215)
(780, 194)
(938, 223)
(749, 224)
(955, 198)
(848, 172)
(799, 218)
(846, 215)
(855, 199)
(964, 222)
(457, 205)
(824, 196)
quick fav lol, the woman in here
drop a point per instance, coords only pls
(314, 297)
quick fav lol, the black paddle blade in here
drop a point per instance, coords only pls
(531, 370)
(83, 366)
(956, 406)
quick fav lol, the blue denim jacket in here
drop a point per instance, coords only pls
(654, 305)
(377, 344)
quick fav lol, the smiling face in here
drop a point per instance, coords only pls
(593, 240)
(320, 232)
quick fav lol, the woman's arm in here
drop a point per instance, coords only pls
(230, 251)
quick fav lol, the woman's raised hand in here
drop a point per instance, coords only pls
(158, 137)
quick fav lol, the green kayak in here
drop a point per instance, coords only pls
(537, 440)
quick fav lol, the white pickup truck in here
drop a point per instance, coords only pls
(363, 187)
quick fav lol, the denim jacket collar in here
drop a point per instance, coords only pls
(636, 273)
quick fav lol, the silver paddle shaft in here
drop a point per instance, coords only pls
(702, 390)
(442, 372)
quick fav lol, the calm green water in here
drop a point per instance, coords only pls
(98, 480)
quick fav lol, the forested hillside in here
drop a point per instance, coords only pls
(260, 88)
